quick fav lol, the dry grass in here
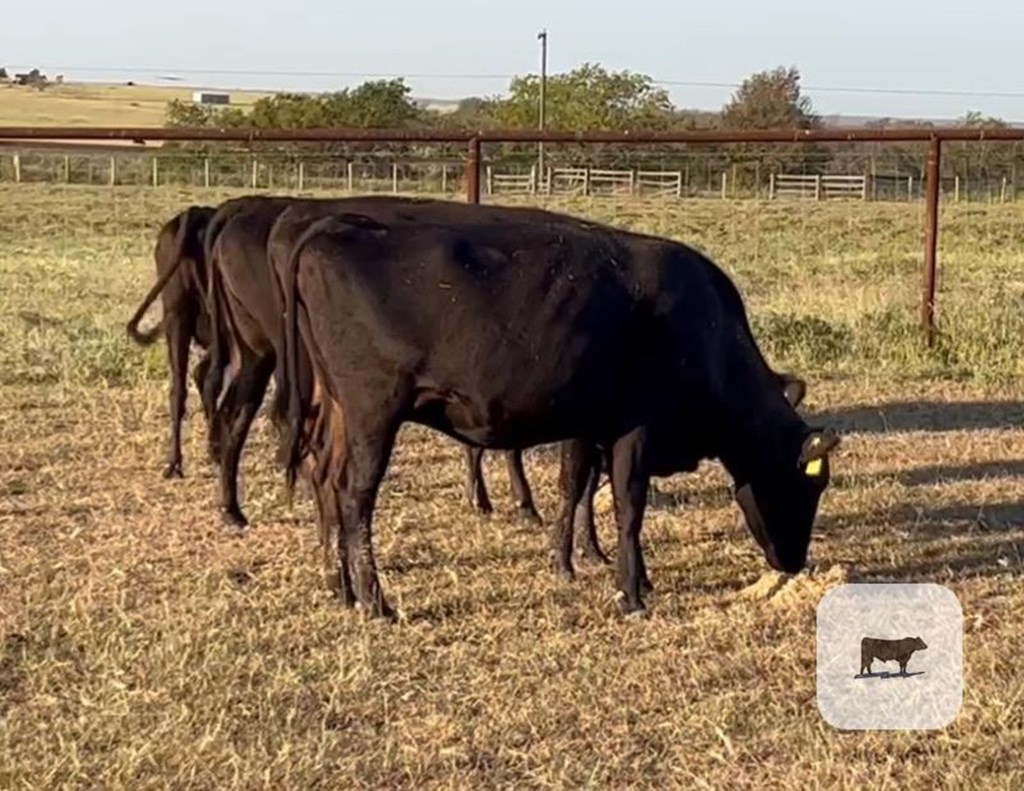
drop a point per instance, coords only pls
(94, 104)
(141, 645)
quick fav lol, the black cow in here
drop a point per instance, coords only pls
(245, 310)
(294, 221)
(899, 651)
(503, 332)
(181, 285)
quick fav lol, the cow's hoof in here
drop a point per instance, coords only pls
(173, 470)
(630, 608)
(592, 556)
(563, 570)
(646, 586)
(484, 509)
(379, 610)
(528, 513)
(234, 517)
(339, 589)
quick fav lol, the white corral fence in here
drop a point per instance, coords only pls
(588, 181)
(817, 187)
(659, 183)
(511, 183)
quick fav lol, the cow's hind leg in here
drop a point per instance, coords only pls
(630, 482)
(336, 573)
(574, 469)
(476, 490)
(234, 424)
(178, 339)
(584, 524)
(521, 487)
(369, 436)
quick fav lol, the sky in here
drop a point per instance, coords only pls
(449, 49)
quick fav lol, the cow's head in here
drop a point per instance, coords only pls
(919, 644)
(779, 495)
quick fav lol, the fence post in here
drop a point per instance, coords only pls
(206, 172)
(255, 174)
(17, 168)
(302, 174)
(931, 239)
(394, 178)
(113, 171)
(956, 189)
(771, 186)
(490, 180)
(444, 179)
(350, 176)
(1002, 194)
(473, 171)
(586, 180)
(817, 186)
(156, 172)
(910, 188)
(725, 184)
(67, 168)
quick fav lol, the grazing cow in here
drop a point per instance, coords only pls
(503, 331)
(245, 310)
(180, 284)
(872, 648)
(397, 210)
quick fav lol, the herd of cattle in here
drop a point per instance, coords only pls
(504, 328)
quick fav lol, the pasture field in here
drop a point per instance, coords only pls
(143, 645)
(94, 104)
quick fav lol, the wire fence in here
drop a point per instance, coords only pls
(895, 164)
(653, 174)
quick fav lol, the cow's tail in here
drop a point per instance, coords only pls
(147, 338)
(213, 229)
(219, 332)
(291, 354)
(295, 405)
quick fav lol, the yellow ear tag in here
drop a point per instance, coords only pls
(813, 468)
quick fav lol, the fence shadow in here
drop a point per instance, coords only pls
(943, 473)
(901, 416)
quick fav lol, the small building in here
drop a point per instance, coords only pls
(210, 97)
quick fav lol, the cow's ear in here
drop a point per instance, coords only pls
(815, 451)
(793, 388)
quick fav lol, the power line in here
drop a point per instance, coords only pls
(167, 73)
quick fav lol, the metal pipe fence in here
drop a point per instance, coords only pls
(474, 161)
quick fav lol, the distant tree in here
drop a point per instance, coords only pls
(473, 112)
(982, 166)
(773, 100)
(377, 104)
(182, 113)
(770, 100)
(3, 74)
(589, 97)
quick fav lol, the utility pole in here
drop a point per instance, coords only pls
(543, 37)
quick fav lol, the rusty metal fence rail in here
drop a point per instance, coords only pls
(474, 140)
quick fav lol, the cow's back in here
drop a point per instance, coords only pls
(499, 317)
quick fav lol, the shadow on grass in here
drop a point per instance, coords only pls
(887, 674)
(923, 416)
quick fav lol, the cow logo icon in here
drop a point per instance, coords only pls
(872, 648)
(905, 641)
